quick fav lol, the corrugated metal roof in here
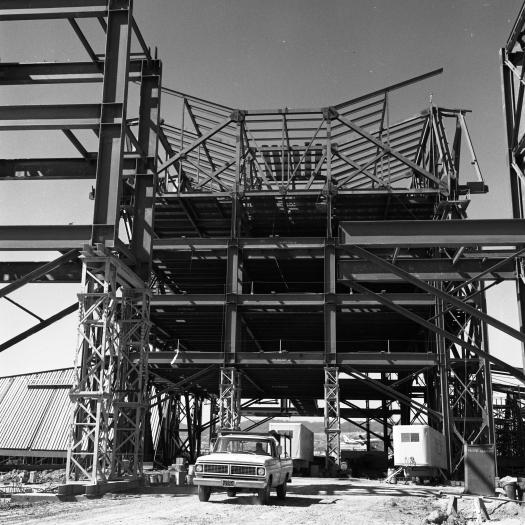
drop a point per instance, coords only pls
(35, 411)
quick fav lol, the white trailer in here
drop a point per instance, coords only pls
(420, 450)
(302, 447)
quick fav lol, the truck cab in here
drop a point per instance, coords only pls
(245, 461)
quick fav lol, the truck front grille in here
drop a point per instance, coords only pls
(216, 469)
(243, 470)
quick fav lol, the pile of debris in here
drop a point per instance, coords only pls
(33, 476)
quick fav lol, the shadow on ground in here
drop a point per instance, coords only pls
(357, 489)
(248, 499)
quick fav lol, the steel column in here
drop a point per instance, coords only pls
(146, 181)
(112, 129)
(230, 399)
(332, 420)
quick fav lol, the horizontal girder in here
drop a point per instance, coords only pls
(485, 232)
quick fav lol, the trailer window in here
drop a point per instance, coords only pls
(409, 437)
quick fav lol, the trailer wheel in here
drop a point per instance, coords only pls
(204, 493)
(231, 493)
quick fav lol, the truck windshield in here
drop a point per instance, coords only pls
(239, 445)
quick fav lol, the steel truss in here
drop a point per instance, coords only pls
(107, 431)
(332, 421)
(230, 399)
(179, 427)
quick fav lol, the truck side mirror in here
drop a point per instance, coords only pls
(279, 450)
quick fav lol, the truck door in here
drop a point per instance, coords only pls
(277, 471)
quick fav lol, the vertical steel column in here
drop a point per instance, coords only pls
(91, 439)
(112, 129)
(443, 368)
(131, 384)
(330, 308)
(230, 399)
(233, 266)
(513, 110)
(146, 181)
(489, 409)
(332, 421)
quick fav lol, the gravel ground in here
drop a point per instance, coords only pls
(312, 501)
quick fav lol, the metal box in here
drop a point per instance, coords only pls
(480, 469)
(419, 446)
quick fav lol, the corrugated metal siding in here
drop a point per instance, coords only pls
(35, 419)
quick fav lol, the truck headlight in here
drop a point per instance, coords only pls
(261, 471)
(199, 468)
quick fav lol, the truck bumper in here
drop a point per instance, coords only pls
(238, 483)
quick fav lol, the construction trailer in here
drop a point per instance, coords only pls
(313, 262)
(302, 444)
(420, 450)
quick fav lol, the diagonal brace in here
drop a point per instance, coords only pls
(436, 292)
(196, 144)
(440, 331)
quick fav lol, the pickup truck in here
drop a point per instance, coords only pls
(245, 461)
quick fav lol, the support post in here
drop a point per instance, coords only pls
(443, 368)
(230, 399)
(332, 421)
(107, 427)
(131, 385)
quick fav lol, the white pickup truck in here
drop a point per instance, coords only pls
(245, 461)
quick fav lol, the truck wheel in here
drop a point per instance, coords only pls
(204, 493)
(263, 495)
(281, 491)
(231, 493)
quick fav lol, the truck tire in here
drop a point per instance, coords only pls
(263, 495)
(281, 490)
(204, 493)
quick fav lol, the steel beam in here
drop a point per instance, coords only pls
(42, 117)
(47, 237)
(392, 360)
(51, 9)
(451, 233)
(37, 328)
(15, 73)
(254, 301)
(38, 272)
(11, 272)
(430, 269)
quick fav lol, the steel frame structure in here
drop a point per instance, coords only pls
(274, 258)
(107, 432)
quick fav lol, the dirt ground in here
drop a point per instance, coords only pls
(311, 501)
